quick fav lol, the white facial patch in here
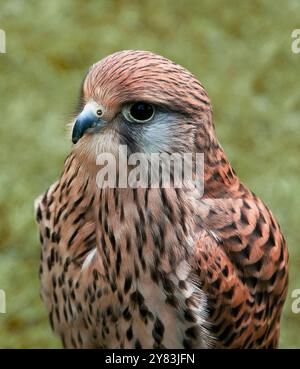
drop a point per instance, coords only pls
(157, 135)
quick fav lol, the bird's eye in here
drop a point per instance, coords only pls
(99, 112)
(139, 112)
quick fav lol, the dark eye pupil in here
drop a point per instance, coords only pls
(141, 111)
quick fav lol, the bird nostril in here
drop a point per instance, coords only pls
(99, 112)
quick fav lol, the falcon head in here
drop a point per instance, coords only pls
(144, 101)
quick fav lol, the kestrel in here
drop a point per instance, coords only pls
(156, 267)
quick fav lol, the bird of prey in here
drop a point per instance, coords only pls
(157, 267)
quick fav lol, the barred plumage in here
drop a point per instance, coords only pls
(150, 268)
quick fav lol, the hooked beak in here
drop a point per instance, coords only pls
(85, 120)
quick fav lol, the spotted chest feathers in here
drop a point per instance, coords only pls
(115, 268)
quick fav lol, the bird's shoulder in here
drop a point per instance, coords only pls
(241, 259)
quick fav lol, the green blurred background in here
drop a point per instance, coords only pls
(241, 51)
